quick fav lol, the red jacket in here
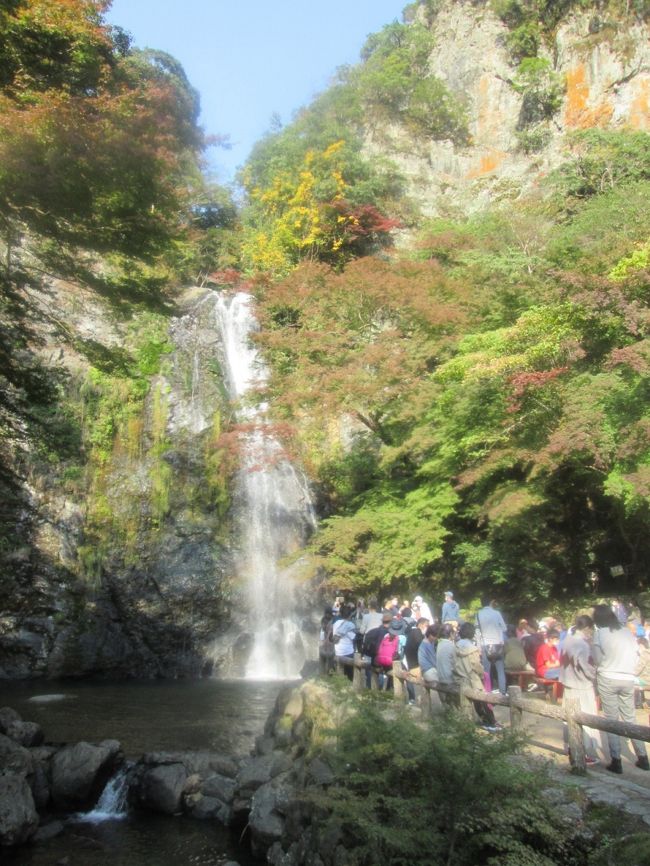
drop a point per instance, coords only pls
(546, 653)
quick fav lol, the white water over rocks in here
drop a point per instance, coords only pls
(113, 802)
(275, 513)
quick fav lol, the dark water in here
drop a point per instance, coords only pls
(223, 716)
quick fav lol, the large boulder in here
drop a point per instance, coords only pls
(7, 717)
(218, 786)
(80, 771)
(267, 816)
(258, 771)
(160, 788)
(18, 816)
(199, 806)
(14, 757)
(25, 733)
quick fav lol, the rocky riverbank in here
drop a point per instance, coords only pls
(41, 783)
(283, 798)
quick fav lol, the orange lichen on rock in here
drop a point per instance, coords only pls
(578, 113)
(489, 162)
(577, 95)
(640, 107)
(489, 119)
(599, 115)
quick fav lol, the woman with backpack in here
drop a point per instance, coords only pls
(390, 649)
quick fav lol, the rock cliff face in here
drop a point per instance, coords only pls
(122, 567)
(600, 66)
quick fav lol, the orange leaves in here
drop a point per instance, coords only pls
(54, 44)
(359, 341)
(96, 149)
(523, 383)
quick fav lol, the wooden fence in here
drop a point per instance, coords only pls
(569, 713)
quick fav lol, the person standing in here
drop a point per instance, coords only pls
(343, 635)
(492, 631)
(616, 657)
(468, 673)
(578, 675)
(642, 681)
(326, 643)
(514, 657)
(372, 618)
(392, 605)
(423, 608)
(445, 660)
(450, 609)
(413, 640)
(427, 655)
(414, 637)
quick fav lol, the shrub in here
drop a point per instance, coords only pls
(439, 794)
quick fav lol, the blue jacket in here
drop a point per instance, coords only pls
(450, 610)
(426, 655)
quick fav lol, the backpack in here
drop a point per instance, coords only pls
(388, 651)
(371, 641)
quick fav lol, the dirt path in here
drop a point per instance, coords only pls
(631, 791)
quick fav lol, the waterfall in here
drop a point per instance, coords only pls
(273, 506)
(112, 804)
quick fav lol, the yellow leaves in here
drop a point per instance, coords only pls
(295, 209)
(333, 149)
(265, 252)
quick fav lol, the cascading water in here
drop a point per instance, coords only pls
(274, 509)
(112, 804)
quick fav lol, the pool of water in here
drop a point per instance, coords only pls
(223, 716)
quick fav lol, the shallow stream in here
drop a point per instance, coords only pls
(223, 716)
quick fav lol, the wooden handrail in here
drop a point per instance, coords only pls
(570, 713)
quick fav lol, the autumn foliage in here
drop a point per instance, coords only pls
(96, 141)
(475, 411)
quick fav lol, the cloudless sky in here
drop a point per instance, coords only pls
(250, 59)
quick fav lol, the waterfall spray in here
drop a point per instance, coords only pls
(274, 510)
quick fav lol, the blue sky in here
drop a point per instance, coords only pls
(250, 59)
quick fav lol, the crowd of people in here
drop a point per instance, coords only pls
(602, 657)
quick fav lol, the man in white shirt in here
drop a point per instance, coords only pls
(423, 609)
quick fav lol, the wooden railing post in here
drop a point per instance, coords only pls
(398, 684)
(576, 741)
(374, 679)
(516, 712)
(358, 674)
